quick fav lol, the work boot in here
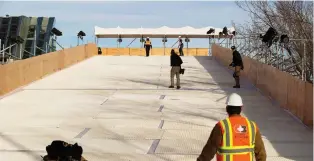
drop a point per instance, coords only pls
(178, 87)
(237, 80)
(171, 86)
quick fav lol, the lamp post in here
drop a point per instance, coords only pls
(187, 40)
(18, 41)
(56, 33)
(80, 35)
(164, 40)
(119, 40)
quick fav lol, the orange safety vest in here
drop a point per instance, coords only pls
(238, 139)
(147, 43)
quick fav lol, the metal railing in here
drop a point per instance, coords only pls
(273, 55)
(5, 52)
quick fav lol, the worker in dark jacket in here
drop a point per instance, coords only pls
(180, 47)
(238, 65)
(99, 51)
(147, 46)
(234, 138)
(175, 62)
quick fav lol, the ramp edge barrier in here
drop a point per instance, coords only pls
(291, 94)
(20, 73)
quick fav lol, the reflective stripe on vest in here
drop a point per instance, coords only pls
(227, 149)
(237, 151)
(147, 43)
(252, 133)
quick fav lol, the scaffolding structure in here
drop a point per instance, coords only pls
(7, 56)
(276, 55)
(23, 37)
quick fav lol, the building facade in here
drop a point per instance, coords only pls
(34, 31)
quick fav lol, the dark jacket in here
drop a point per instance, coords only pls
(175, 60)
(215, 139)
(180, 45)
(236, 59)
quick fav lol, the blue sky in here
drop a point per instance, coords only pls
(71, 17)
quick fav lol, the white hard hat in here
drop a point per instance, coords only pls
(234, 100)
(148, 37)
(179, 36)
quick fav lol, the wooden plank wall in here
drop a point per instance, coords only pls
(290, 92)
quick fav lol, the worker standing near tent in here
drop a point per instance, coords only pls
(235, 138)
(180, 47)
(237, 63)
(147, 46)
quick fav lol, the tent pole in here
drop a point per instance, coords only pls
(142, 40)
(164, 39)
(164, 48)
(208, 45)
(187, 46)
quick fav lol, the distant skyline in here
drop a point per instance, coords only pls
(71, 17)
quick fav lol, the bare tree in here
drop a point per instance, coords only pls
(293, 18)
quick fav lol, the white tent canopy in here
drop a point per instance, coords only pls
(161, 32)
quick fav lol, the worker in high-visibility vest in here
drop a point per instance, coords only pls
(235, 138)
(147, 46)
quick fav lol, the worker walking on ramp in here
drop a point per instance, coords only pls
(175, 63)
(147, 46)
(235, 138)
(237, 64)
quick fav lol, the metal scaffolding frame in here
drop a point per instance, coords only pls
(252, 46)
(6, 52)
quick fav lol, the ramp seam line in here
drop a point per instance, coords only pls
(162, 97)
(82, 133)
(160, 108)
(161, 124)
(104, 101)
(153, 147)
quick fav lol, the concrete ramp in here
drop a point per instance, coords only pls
(119, 109)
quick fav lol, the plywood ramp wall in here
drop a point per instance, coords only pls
(290, 92)
(23, 72)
